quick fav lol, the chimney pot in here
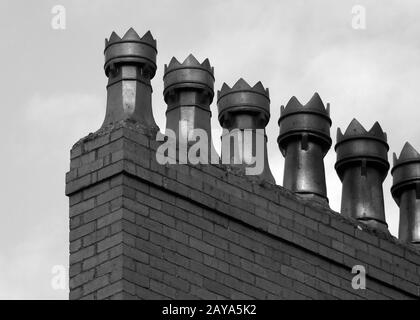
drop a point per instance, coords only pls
(130, 64)
(406, 193)
(188, 92)
(241, 108)
(362, 165)
(304, 140)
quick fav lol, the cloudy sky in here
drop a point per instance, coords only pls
(53, 93)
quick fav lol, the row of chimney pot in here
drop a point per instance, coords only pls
(304, 139)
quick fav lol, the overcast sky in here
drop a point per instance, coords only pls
(53, 93)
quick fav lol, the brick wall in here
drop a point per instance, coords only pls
(139, 230)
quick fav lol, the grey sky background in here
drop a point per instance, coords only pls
(53, 93)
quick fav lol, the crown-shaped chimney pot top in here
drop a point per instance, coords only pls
(190, 62)
(314, 105)
(243, 98)
(356, 130)
(242, 86)
(131, 36)
(408, 154)
(406, 169)
(357, 144)
(189, 74)
(311, 119)
(131, 49)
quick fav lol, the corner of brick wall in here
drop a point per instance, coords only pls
(140, 230)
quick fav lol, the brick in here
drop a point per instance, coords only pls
(303, 266)
(217, 288)
(75, 293)
(343, 227)
(413, 256)
(95, 237)
(254, 292)
(241, 251)
(291, 204)
(260, 202)
(75, 198)
(201, 246)
(308, 223)
(203, 293)
(253, 268)
(176, 187)
(270, 287)
(109, 195)
(355, 243)
(149, 201)
(202, 198)
(241, 274)
(136, 254)
(82, 207)
(201, 223)
(162, 218)
(391, 247)
(116, 251)
(214, 240)
(110, 218)
(190, 276)
(343, 248)
(189, 229)
(175, 235)
(200, 268)
(96, 284)
(75, 245)
(110, 242)
(174, 211)
(176, 282)
(317, 215)
(149, 271)
(367, 258)
(109, 266)
(379, 274)
(81, 279)
(110, 290)
(292, 273)
(136, 278)
(330, 253)
(265, 214)
(143, 293)
(95, 260)
(281, 232)
(176, 258)
(216, 264)
(111, 170)
(380, 253)
(96, 213)
(90, 167)
(190, 181)
(162, 289)
(305, 242)
(82, 231)
(82, 254)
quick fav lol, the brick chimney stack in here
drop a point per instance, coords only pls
(140, 229)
